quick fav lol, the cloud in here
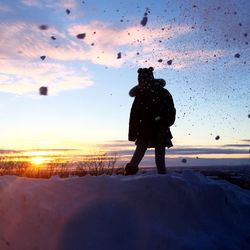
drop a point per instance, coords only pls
(10, 151)
(4, 8)
(237, 145)
(197, 151)
(65, 4)
(52, 150)
(31, 2)
(30, 43)
(126, 148)
(190, 151)
(101, 44)
(246, 140)
(23, 40)
(20, 77)
(108, 36)
(22, 70)
(138, 45)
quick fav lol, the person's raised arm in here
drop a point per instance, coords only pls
(133, 92)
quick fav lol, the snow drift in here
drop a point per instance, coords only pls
(174, 211)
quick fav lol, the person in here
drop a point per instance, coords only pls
(151, 115)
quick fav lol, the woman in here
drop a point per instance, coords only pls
(151, 115)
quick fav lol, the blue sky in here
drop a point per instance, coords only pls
(88, 102)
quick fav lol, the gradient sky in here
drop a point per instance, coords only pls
(88, 86)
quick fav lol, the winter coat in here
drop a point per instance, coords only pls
(149, 115)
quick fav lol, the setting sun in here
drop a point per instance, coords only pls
(37, 160)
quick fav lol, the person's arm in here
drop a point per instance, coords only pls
(160, 82)
(167, 109)
(133, 92)
(171, 111)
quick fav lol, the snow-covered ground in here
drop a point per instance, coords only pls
(175, 211)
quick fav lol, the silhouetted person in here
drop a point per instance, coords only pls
(151, 115)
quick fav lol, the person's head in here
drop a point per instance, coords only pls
(145, 76)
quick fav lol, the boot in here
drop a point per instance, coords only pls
(130, 170)
(161, 170)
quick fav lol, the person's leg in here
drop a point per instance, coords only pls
(139, 153)
(132, 166)
(160, 159)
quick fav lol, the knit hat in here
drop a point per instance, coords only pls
(145, 76)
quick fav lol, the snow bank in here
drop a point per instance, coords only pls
(175, 211)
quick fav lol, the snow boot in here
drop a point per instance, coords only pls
(161, 170)
(130, 170)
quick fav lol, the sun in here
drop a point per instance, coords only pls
(37, 160)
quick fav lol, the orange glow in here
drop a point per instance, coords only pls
(37, 160)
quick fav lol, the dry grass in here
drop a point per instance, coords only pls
(96, 164)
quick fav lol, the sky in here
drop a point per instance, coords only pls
(88, 103)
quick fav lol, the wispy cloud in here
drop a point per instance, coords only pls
(245, 143)
(4, 8)
(197, 151)
(237, 145)
(246, 140)
(20, 77)
(22, 70)
(108, 36)
(190, 152)
(70, 4)
(52, 150)
(50, 3)
(101, 44)
(9, 151)
(31, 2)
(139, 45)
(127, 148)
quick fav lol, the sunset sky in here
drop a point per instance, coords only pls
(88, 102)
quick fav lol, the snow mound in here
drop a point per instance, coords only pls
(173, 211)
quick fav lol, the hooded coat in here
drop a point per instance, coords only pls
(150, 117)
